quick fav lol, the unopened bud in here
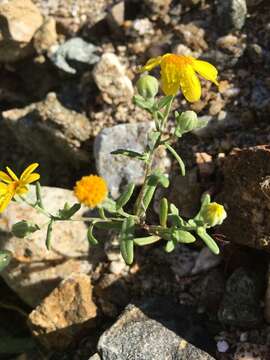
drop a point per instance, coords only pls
(186, 122)
(147, 86)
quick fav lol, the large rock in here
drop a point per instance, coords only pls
(119, 170)
(62, 316)
(34, 271)
(242, 194)
(232, 14)
(19, 20)
(137, 336)
(48, 128)
(111, 79)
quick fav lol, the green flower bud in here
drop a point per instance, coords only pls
(24, 228)
(186, 122)
(147, 86)
(213, 214)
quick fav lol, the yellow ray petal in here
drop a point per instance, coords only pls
(190, 84)
(12, 174)
(5, 200)
(151, 63)
(206, 70)
(28, 171)
(30, 178)
(21, 190)
(3, 188)
(5, 177)
(170, 78)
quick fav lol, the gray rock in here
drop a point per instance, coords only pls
(76, 50)
(116, 15)
(120, 170)
(135, 336)
(48, 128)
(19, 20)
(232, 14)
(111, 79)
(241, 302)
(34, 271)
(95, 357)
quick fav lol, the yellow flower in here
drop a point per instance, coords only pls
(91, 190)
(11, 185)
(214, 214)
(178, 71)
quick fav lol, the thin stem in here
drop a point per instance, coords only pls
(37, 207)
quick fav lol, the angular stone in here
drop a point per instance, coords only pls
(120, 170)
(111, 79)
(137, 336)
(19, 20)
(232, 14)
(66, 312)
(249, 351)
(48, 128)
(34, 271)
(46, 36)
(243, 197)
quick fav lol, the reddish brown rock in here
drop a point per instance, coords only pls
(247, 206)
(65, 313)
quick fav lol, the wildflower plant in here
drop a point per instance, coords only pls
(130, 222)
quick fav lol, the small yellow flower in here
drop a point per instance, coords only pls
(214, 214)
(11, 185)
(178, 71)
(91, 190)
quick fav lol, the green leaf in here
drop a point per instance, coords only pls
(176, 220)
(182, 236)
(38, 195)
(209, 241)
(170, 246)
(49, 234)
(153, 137)
(146, 104)
(164, 102)
(158, 178)
(177, 157)
(5, 257)
(109, 225)
(174, 209)
(125, 197)
(109, 205)
(130, 153)
(67, 212)
(127, 240)
(146, 240)
(91, 238)
(24, 228)
(163, 212)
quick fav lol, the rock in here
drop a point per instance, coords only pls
(251, 3)
(241, 302)
(65, 313)
(205, 261)
(34, 271)
(116, 15)
(20, 19)
(248, 351)
(142, 27)
(192, 36)
(158, 7)
(246, 205)
(232, 14)
(136, 335)
(267, 299)
(75, 50)
(46, 36)
(111, 79)
(48, 128)
(71, 16)
(95, 357)
(120, 170)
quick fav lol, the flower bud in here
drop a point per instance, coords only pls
(186, 122)
(214, 214)
(24, 228)
(147, 86)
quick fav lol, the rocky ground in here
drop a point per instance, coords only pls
(67, 72)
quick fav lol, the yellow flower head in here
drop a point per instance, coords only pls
(214, 214)
(178, 71)
(91, 190)
(11, 185)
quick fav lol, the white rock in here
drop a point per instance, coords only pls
(111, 79)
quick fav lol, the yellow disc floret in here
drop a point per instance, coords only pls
(91, 190)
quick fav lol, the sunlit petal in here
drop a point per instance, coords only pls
(3, 188)
(170, 78)
(5, 177)
(12, 174)
(30, 178)
(190, 84)
(21, 190)
(5, 200)
(151, 64)
(31, 168)
(206, 70)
